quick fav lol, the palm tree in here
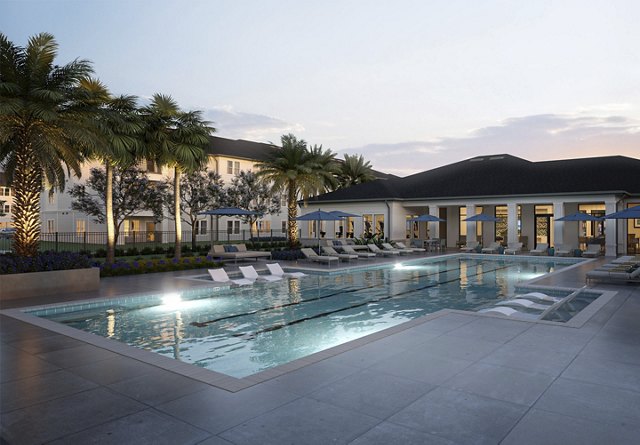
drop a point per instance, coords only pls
(44, 126)
(120, 125)
(354, 170)
(327, 168)
(176, 139)
(297, 172)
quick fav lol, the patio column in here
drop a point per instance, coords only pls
(434, 227)
(611, 231)
(512, 222)
(471, 225)
(558, 226)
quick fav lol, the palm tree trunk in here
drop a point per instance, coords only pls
(27, 183)
(111, 227)
(176, 204)
(292, 207)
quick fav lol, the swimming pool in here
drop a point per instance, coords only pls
(242, 331)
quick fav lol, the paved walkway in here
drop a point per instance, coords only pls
(457, 378)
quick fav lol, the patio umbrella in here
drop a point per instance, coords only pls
(630, 213)
(318, 216)
(482, 218)
(426, 218)
(226, 211)
(579, 216)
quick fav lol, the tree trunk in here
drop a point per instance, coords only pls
(292, 207)
(111, 227)
(178, 214)
(27, 184)
(193, 235)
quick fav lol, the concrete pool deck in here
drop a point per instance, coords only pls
(453, 378)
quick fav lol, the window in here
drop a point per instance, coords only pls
(284, 226)
(379, 220)
(7, 208)
(264, 226)
(236, 168)
(283, 200)
(201, 227)
(229, 167)
(501, 226)
(367, 221)
(81, 226)
(5, 191)
(51, 225)
(233, 227)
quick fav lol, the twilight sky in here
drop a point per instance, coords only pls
(411, 85)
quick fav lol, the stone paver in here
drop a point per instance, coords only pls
(458, 378)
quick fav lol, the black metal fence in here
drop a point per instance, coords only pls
(92, 242)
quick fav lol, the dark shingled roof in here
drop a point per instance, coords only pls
(258, 151)
(503, 175)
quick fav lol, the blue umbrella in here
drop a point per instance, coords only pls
(426, 218)
(482, 218)
(342, 214)
(226, 211)
(579, 216)
(630, 213)
(319, 215)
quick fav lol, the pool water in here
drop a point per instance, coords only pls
(241, 331)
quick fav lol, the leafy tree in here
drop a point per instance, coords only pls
(199, 191)
(133, 193)
(297, 172)
(248, 192)
(44, 125)
(176, 139)
(120, 125)
(354, 170)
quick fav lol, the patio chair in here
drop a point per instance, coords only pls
(593, 250)
(366, 255)
(493, 248)
(513, 248)
(276, 269)
(522, 302)
(311, 255)
(538, 296)
(220, 276)
(541, 249)
(471, 246)
(509, 312)
(343, 256)
(375, 249)
(400, 246)
(563, 250)
(389, 248)
(250, 273)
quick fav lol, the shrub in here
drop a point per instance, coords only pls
(45, 261)
(122, 267)
(146, 251)
(132, 251)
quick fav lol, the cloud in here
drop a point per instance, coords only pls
(250, 126)
(536, 138)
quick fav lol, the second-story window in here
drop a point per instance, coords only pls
(229, 167)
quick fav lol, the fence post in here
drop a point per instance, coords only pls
(134, 238)
(56, 241)
(84, 243)
(271, 237)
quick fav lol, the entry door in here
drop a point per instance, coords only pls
(150, 228)
(543, 230)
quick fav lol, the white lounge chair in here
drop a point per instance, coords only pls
(220, 276)
(538, 296)
(524, 303)
(513, 248)
(401, 246)
(311, 255)
(509, 312)
(593, 250)
(471, 246)
(541, 249)
(563, 250)
(493, 248)
(349, 249)
(389, 248)
(251, 274)
(375, 249)
(276, 270)
(343, 256)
